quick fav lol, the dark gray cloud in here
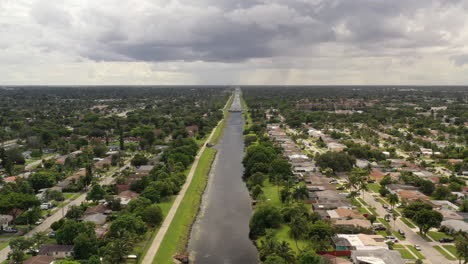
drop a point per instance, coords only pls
(239, 30)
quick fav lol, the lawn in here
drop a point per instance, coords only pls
(374, 187)
(452, 249)
(141, 248)
(437, 235)
(282, 234)
(407, 222)
(405, 253)
(4, 245)
(178, 233)
(427, 238)
(445, 254)
(397, 235)
(417, 253)
(384, 222)
(271, 193)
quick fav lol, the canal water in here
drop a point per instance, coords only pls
(220, 233)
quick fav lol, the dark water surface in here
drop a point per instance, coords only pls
(220, 233)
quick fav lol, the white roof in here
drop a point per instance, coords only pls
(371, 260)
(333, 214)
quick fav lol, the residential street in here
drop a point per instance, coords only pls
(412, 238)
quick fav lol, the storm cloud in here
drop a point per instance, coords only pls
(242, 34)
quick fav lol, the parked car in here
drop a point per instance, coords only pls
(417, 247)
(51, 235)
(385, 206)
(340, 188)
(376, 199)
(446, 240)
(10, 230)
(401, 232)
(380, 228)
(391, 239)
(38, 222)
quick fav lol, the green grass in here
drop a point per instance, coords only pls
(452, 249)
(178, 233)
(397, 235)
(220, 129)
(417, 253)
(247, 116)
(405, 253)
(282, 234)
(374, 187)
(445, 254)
(385, 223)
(4, 245)
(437, 235)
(407, 222)
(141, 248)
(362, 201)
(271, 193)
(427, 238)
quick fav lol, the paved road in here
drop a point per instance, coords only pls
(61, 212)
(153, 249)
(412, 238)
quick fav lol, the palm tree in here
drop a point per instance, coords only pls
(393, 199)
(283, 250)
(298, 229)
(300, 192)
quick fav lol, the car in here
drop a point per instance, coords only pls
(10, 230)
(391, 239)
(340, 188)
(51, 235)
(389, 211)
(446, 240)
(401, 232)
(385, 206)
(380, 228)
(38, 222)
(417, 247)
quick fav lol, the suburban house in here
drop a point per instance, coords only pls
(378, 256)
(44, 259)
(353, 223)
(126, 196)
(56, 251)
(359, 242)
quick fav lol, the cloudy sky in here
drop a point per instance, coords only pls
(233, 42)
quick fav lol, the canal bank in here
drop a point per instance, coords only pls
(220, 233)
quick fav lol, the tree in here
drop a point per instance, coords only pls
(74, 212)
(441, 192)
(275, 259)
(427, 219)
(284, 251)
(118, 248)
(55, 195)
(85, 246)
(426, 187)
(464, 206)
(18, 246)
(14, 203)
(300, 192)
(298, 229)
(152, 215)
(372, 218)
(411, 209)
(257, 191)
(96, 193)
(71, 229)
(309, 257)
(266, 216)
(386, 180)
(39, 239)
(337, 161)
(42, 179)
(127, 223)
(461, 244)
(268, 245)
(393, 199)
(139, 159)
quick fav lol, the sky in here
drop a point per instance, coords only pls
(251, 42)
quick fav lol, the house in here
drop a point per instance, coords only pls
(376, 175)
(122, 187)
(192, 130)
(335, 147)
(9, 179)
(354, 223)
(5, 220)
(56, 251)
(379, 256)
(345, 213)
(126, 196)
(44, 259)
(412, 195)
(75, 177)
(455, 225)
(98, 218)
(359, 242)
(144, 169)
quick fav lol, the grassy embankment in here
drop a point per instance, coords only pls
(178, 233)
(220, 129)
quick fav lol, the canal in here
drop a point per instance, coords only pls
(220, 233)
